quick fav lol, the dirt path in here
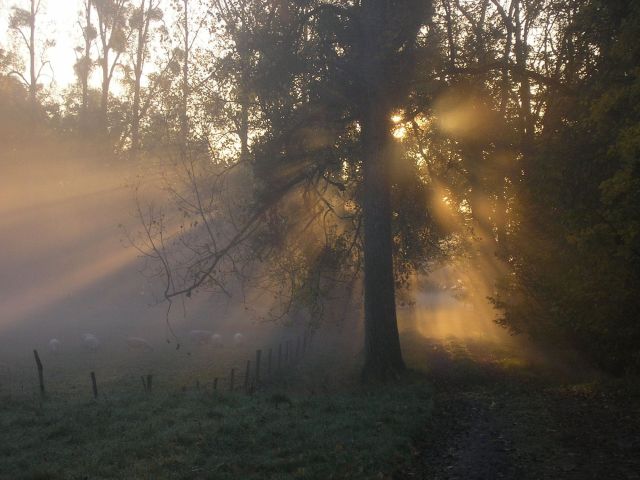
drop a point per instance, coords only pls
(493, 423)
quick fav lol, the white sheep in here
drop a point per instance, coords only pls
(200, 337)
(90, 342)
(54, 346)
(140, 344)
(238, 339)
(216, 340)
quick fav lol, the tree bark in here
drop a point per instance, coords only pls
(106, 80)
(184, 104)
(85, 68)
(33, 84)
(526, 119)
(243, 97)
(142, 38)
(383, 356)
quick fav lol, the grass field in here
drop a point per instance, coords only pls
(472, 409)
(311, 420)
(196, 434)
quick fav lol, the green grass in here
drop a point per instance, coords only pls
(196, 435)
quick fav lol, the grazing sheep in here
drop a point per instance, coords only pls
(54, 346)
(238, 339)
(90, 342)
(140, 344)
(200, 337)
(216, 340)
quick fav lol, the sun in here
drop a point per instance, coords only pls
(399, 132)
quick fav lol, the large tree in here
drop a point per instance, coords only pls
(388, 34)
(327, 79)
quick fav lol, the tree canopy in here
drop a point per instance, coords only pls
(330, 151)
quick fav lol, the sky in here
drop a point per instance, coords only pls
(59, 21)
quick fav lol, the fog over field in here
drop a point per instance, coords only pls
(67, 267)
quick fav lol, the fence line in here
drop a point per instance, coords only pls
(254, 377)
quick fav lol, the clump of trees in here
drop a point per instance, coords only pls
(574, 254)
(318, 144)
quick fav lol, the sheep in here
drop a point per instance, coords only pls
(200, 337)
(140, 344)
(54, 346)
(216, 340)
(238, 339)
(90, 342)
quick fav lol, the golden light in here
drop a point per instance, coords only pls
(59, 220)
(396, 118)
(399, 132)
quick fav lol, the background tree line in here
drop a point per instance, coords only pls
(317, 141)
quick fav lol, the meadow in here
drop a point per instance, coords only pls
(300, 422)
(469, 408)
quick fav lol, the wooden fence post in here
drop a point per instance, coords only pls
(231, 379)
(298, 348)
(269, 363)
(144, 384)
(40, 372)
(258, 356)
(279, 357)
(94, 385)
(149, 382)
(247, 376)
(215, 384)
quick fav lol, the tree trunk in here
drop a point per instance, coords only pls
(526, 118)
(137, 70)
(104, 101)
(383, 357)
(85, 67)
(184, 120)
(135, 120)
(33, 83)
(243, 97)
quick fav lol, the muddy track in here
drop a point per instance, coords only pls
(489, 424)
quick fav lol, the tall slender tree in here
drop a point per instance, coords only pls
(84, 62)
(24, 23)
(113, 36)
(140, 23)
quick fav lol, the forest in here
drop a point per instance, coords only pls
(322, 163)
